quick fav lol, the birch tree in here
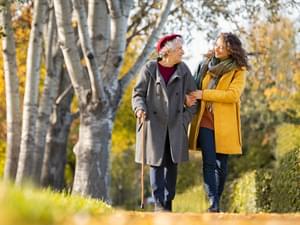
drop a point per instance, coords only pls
(103, 41)
(93, 36)
(26, 160)
(55, 157)
(54, 67)
(13, 116)
(97, 104)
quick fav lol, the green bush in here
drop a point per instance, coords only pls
(286, 183)
(125, 188)
(125, 175)
(192, 200)
(288, 138)
(254, 157)
(263, 190)
(189, 173)
(250, 193)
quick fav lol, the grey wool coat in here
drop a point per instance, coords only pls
(165, 111)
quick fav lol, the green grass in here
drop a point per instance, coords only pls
(28, 205)
(192, 200)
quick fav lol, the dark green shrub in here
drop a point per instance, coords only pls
(125, 184)
(192, 200)
(250, 193)
(263, 180)
(125, 175)
(254, 157)
(189, 173)
(286, 183)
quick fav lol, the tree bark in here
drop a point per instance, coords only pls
(26, 159)
(119, 11)
(96, 120)
(92, 154)
(55, 157)
(90, 174)
(54, 63)
(66, 37)
(99, 32)
(13, 115)
(86, 44)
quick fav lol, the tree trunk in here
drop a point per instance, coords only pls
(55, 157)
(13, 116)
(92, 154)
(57, 138)
(96, 83)
(54, 64)
(89, 178)
(119, 11)
(99, 31)
(26, 159)
(96, 118)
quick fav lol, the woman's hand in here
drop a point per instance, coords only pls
(140, 113)
(197, 94)
(190, 100)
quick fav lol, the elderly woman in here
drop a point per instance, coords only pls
(216, 127)
(159, 94)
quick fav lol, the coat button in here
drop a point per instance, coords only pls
(176, 93)
(178, 111)
(154, 112)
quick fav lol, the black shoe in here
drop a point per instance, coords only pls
(213, 209)
(158, 207)
(168, 206)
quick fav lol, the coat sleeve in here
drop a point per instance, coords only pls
(190, 86)
(232, 94)
(140, 91)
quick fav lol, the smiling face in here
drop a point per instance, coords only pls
(220, 49)
(175, 55)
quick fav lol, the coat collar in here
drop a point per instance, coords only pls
(155, 74)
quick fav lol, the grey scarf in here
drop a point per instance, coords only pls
(216, 68)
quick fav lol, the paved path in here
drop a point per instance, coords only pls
(137, 218)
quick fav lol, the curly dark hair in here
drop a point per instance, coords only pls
(235, 48)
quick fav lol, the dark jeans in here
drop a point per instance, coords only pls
(214, 166)
(163, 178)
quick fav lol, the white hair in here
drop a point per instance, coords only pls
(170, 45)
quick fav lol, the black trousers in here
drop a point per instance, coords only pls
(163, 177)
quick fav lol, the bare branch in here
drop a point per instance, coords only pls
(68, 45)
(137, 32)
(119, 11)
(148, 47)
(99, 28)
(63, 95)
(92, 65)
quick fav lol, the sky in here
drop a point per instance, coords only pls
(195, 50)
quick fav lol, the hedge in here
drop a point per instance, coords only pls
(285, 184)
(189, 173)
(276, 190)
(250, 193)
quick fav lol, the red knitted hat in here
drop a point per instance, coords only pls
(162, 42)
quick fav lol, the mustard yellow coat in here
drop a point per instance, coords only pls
(226, 108)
